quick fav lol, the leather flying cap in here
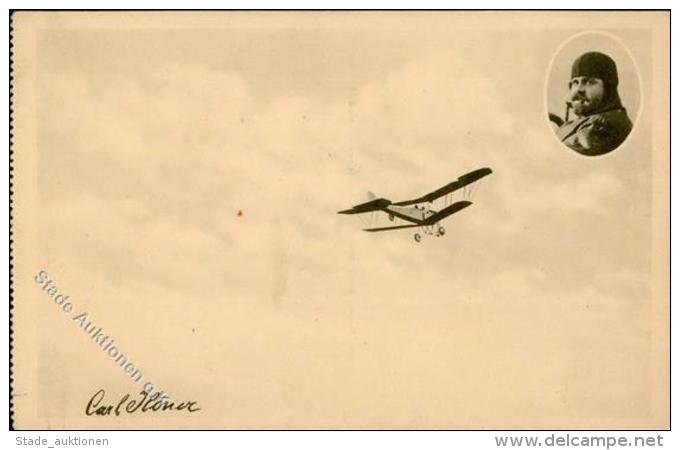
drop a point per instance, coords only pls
(596, 65)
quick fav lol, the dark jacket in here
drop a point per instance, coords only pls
(596, 134)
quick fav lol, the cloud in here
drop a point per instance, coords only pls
(177, 151)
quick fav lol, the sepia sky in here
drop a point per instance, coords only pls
(535, 310)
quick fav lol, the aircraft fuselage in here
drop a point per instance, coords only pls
(410, 213)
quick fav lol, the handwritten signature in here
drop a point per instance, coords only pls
(145, 403)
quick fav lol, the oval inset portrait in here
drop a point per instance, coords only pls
(593, 93)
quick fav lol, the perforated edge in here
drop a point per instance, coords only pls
(11, 220)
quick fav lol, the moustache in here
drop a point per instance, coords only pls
(579, 97)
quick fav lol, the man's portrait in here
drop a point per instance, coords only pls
(595, 120)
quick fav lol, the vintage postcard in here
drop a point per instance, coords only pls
(340, 220)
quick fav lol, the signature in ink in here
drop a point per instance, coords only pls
(144, 403)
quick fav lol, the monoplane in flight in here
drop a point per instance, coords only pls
(418, 212)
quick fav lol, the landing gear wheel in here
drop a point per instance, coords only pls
(416, 237)
(441, 231)
(391, 217)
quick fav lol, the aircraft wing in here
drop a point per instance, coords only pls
(446, 212)
(378, 204)
(397, 227)
(461, 182)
